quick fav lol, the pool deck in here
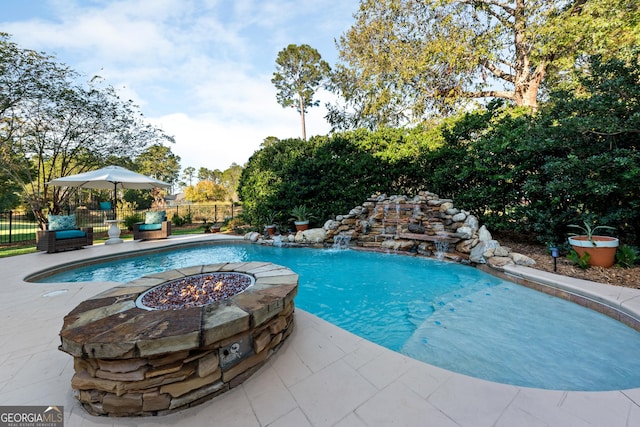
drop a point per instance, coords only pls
(322, 376)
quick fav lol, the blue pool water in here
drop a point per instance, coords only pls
(448, 315)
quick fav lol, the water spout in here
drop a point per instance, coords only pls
(384, 219)
(441, 245)
(341, 241)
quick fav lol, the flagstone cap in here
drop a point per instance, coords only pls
(111, 326)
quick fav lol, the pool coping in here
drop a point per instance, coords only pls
(617, 302)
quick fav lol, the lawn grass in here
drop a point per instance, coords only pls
(27, 248)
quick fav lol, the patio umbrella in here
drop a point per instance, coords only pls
(110, 178)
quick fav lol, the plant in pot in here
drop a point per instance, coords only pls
(270, 222)
(601, 249)
(301, 216)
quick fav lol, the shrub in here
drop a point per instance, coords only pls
(627, 256)
(132, 219)
(177, 220)
(580, 261)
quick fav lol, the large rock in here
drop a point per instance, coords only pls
(484, 235)
(313, 235)
(446, 206)
(358, 210)
(472, 222)
(331, 225)
(520, 259)
(498, 262)
(501, 251)
(477, 253)
(398, 245)
(416, 228)
(252, 236)
(464, 232)
(459, 217)
(465, 246)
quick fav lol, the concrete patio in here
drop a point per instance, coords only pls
(322, 376)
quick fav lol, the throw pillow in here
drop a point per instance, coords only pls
(62, 222)
(154, 217)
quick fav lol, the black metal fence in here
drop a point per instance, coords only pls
(20, 226)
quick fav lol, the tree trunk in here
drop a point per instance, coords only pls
(41, 218)
(304, 128)
(526, 83)
(530, 95)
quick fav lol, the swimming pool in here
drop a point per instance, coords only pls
(445, 314)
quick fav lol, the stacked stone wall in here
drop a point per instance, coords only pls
(425, 224)
(130, 361)
(172, 381)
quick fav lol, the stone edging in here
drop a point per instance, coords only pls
(621, 304)
(129, 361)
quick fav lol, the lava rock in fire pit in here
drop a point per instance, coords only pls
(195, 291)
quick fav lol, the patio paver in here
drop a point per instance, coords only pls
(322, 376)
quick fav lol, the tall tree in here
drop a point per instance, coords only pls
(52, 126)
(299, 72)
(405, 58)
(160, 163)
(188, 174)
(230, 179)
(205, 174)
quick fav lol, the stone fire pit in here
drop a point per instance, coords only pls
(135, 357)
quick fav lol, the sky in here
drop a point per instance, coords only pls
(198, 69)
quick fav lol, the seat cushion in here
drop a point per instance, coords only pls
(154, 217)
(150, 227)
(70, 234)
(61, 222)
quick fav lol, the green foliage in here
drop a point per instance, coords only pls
(140, 199)
(270, 218)
(577, 158)
(129, 220)
(179, 221)
(403, 59)
(589, 230)
(54, 125)
(330, 175)
(9, 194)
(299, 72)
(157, 161)
(580, 261)
(300, 213)
(627, 256)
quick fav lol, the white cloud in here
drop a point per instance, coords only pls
(200, 69)
(209, 142)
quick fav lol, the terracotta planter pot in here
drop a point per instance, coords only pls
(271, 230)
(301, 225)
(603, 254)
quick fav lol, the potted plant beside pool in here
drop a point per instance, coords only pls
(270, 223)
(301, 216)
(601, 249)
